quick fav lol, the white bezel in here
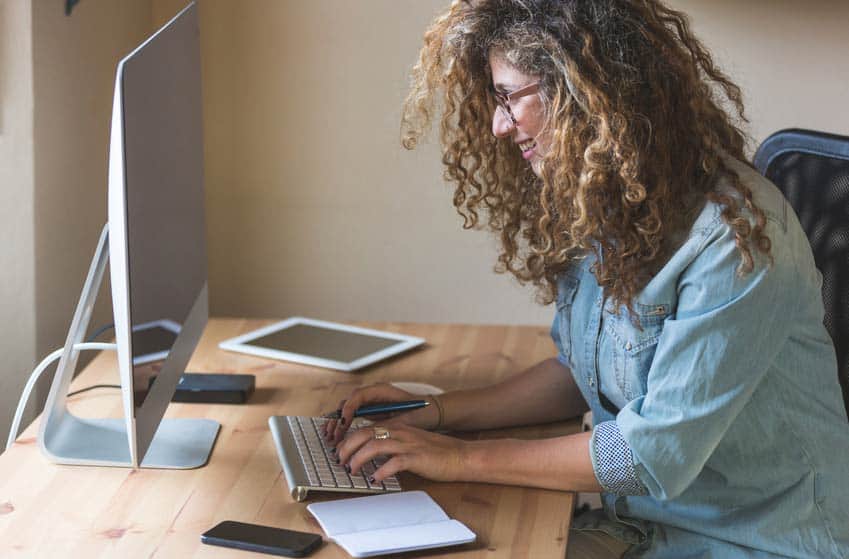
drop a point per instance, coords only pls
(118, 262)
(242, 344)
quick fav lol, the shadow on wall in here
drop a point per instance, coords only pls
(3, 33)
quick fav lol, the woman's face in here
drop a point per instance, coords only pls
(528, 113)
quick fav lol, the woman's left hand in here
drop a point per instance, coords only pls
(430, 455)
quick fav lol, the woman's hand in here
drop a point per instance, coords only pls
(334, 430)
(431, 455)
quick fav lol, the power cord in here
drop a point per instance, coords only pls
(92, 387)
(99, 331)
(16, 423)
(91, 338)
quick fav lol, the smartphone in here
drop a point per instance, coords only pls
(264, 539)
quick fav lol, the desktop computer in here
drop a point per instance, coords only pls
(155, 244)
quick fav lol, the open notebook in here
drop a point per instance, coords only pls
(390, 523)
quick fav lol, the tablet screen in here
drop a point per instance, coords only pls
(153, 340)
(324, 343)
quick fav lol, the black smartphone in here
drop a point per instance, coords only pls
(264, 539)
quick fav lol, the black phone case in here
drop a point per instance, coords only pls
(247, 546)
(251, 546)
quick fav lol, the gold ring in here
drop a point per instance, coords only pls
(380, 433)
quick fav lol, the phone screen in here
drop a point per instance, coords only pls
(266, 539)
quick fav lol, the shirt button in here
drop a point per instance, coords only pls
(628, 346)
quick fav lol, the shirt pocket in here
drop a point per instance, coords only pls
(567, 286)
(633, 346)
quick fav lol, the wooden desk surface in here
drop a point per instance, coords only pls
(47, 510)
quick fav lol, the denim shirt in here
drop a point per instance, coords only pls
(720, 429)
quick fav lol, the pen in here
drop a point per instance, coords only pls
(377, 409)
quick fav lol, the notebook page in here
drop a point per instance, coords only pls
(376, 512)
(405, 538)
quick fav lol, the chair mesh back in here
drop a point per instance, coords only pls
(812, 170)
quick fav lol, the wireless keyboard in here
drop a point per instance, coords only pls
(309, 465)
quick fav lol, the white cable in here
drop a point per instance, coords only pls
(33, 378)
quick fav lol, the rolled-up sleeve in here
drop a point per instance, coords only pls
(613, 462)
(711, 356)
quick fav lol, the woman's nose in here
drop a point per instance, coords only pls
(502, 124)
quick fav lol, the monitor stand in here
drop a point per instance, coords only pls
(67, 439)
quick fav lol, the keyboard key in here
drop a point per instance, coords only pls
(392, 484)
(359, 481)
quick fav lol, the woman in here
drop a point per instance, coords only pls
(592, 138)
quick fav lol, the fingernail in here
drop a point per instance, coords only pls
(371, 479)
(348, 468)
(333, 450)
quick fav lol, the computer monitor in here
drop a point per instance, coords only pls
(156, 238)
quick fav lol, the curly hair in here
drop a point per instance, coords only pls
(639, 138)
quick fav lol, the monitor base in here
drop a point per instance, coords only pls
(177, 444)
(67, 439)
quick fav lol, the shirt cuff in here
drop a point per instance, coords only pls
(612, 461)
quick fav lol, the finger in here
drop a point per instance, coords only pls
(397, 463)
(359, 397)
(335, 434)
(328, 428)
(360, 437)
(350, 444)
(381, 392)
(371, 450)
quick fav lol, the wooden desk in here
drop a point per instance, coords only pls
(51, 511)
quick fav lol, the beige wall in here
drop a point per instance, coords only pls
(314, 208)
(74, 74)
(17, 261)
(56, 81)
(789, 57)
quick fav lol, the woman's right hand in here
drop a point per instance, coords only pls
(424, 418)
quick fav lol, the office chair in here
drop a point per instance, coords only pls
(812, 170)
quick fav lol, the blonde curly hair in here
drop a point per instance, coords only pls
(639, 138)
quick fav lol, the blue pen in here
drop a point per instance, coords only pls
(377, 409)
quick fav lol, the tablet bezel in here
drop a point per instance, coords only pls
(242, 344)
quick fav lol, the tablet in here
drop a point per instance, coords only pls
(153, 340)
(322, 344)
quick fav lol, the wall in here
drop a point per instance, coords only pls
(17, 261)
(74, 73)
(56, 80)
(787, 56)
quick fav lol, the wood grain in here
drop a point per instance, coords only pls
(48, 510)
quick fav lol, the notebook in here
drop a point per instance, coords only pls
(389, 523)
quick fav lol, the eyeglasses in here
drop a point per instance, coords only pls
(504, 99)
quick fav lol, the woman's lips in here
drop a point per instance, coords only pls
(527, 148)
